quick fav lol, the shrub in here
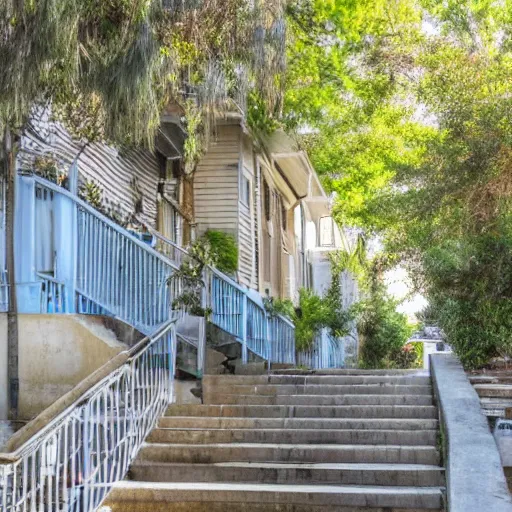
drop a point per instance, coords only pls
(224, 250)
(470, 292)
(313, 314)
(383, 332)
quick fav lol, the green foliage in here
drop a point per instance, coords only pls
(91, 193)
(408, 116)
(311, 316)
(47, 168)
(190, 277)
(109, 68)
(194, 143)
(214, 249)
(315, 313)
(283, 307)
(224, 250)
(258, 117)
(470, 289)
(383, 332)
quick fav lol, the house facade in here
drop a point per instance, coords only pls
(263, 192)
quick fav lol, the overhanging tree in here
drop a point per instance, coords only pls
(415, 138)
(107, 70)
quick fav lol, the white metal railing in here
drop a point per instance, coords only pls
(72, 462)
(116, 273)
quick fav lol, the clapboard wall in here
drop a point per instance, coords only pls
(124, 176)
(216, 183)
(247, 228)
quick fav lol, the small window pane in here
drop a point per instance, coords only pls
(245, 193)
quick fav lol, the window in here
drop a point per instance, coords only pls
(266, 199)
(245, 192)
(283, 215)
(326, 232)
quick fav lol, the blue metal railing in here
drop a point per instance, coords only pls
(117, 274)
(232, 310)
(114, 272)
(327, 351)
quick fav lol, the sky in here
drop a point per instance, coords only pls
(400, 287)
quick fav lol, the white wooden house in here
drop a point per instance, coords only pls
(265, 193)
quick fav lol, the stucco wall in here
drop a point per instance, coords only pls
(56, 353)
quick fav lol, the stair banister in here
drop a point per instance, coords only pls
(68, 457)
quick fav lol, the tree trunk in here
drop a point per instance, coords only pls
(12, 314)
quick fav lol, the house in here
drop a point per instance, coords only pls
(262, 190)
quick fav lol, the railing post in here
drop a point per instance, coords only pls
(244, 328)
(201, 346)
(268, 341)
(86, 456)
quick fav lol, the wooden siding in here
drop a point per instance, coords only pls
(123, 175)
(216, 183)
(246, 229)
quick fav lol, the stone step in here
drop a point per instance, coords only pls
(298, 423)
(156, 497)
(264, 472)
(291, 411)
(231, 380)
(494, 390)
(305, 453)
(286, 436)
(228, 399)
(317, 389)
(351, 371)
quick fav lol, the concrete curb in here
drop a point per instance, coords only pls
(475, 478)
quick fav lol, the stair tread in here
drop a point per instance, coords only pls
(345, 466)
(277, 488)
(293, 446)
(291, 420)
(242, 406)
(326, 430)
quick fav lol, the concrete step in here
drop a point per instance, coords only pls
(291, 411)
(298, 423)
(228, 399)
(407, 475)
(231, 380)
(156, 497)
(351, 371)
(494, 390)
(287, 436)
(305, 453)
(318, 389)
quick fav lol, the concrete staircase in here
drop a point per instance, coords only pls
(347, 441)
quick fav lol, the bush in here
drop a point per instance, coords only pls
(383, 332)
(313, 314)
(470, 291)
(224, 250)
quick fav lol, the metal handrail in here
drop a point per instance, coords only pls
(116, 273)
(111, 224)
(72, 461)
(230, 304)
